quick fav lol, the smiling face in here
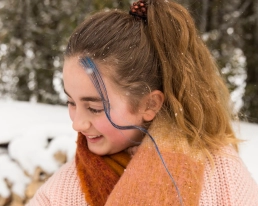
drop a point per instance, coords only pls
(87, 112)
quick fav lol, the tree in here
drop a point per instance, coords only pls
(230, 29)
(34, 35)
(250, 48)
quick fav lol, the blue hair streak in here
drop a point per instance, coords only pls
(96, 79)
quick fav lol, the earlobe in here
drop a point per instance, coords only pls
(154, 102)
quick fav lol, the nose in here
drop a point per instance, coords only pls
(81, 123)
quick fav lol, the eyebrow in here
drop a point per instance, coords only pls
(86, 99)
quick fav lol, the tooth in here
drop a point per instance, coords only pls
(92, 137)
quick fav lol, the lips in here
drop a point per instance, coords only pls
(93, 138)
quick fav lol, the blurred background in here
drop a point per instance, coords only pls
(34, 34)
(35, 136)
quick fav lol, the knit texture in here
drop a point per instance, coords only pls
(98, 175)
(145, 169)
(229, 184)
(62, 188)
(146, 182)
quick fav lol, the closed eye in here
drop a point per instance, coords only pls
(95, 111)
(70, 103)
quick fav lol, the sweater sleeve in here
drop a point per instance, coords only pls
(62, 188)
(229, 183)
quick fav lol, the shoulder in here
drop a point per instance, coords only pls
(62, 188)
(228, 182)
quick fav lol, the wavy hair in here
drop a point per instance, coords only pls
(165, 53)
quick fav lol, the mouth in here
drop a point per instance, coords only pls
(93, 138)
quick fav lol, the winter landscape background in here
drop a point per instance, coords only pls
(29, 127)
(33, 38)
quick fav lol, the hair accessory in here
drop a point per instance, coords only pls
(139, 9)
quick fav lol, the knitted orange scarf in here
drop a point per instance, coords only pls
(98, 175)
(145, 180)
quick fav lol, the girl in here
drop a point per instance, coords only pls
(152, 115)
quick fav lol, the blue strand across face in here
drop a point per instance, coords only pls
(91, 109)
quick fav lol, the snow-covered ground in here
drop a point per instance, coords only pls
(28, 127)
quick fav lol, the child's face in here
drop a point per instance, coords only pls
(87, 112)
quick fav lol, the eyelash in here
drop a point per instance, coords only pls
(71, 103)
(94, 111)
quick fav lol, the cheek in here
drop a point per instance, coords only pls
(103, 125)
(125, 118)
(108, 130)
(114, 135)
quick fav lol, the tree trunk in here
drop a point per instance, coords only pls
(250, 48)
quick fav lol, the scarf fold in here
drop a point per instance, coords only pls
(145, 180)
(98, 175)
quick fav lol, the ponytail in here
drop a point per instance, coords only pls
(196, 97)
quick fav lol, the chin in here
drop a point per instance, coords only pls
(102, 153)
(97, 152)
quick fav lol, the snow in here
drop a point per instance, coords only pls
(249, 147)
(19, 119)
(35, 132)
(28, 128)
(15, 176)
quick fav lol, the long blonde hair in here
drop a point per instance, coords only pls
(164, 53)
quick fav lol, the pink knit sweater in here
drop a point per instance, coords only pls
(229, 184)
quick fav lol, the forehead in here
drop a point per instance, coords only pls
(74, 63)
(73, 73)
(76, 76)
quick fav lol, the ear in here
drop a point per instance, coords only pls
(153, 102)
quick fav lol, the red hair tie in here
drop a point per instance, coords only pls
(139, 9)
